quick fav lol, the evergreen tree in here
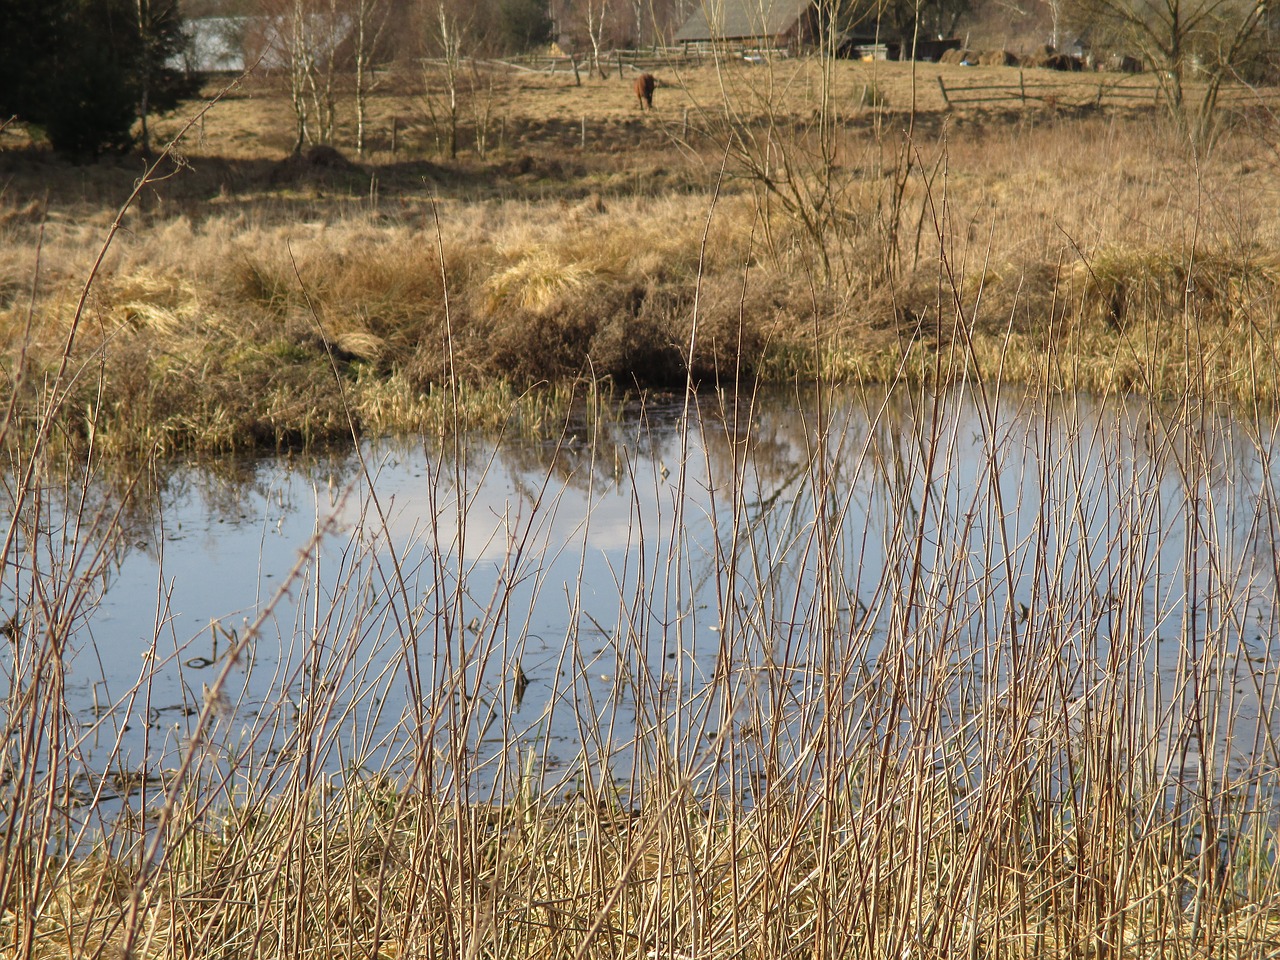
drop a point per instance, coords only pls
(92, 89)
(162, 85)
(29, 30)
(85, 70)
(524, 24)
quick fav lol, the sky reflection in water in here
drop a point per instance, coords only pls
(732, 586)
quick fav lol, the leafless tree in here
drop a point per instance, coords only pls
(305, 38)
(448, 25)
(297, 51)
(1193, 46)
(369, 20)
(648, 22)
(285, 44)
(596, 11)
(327, 26)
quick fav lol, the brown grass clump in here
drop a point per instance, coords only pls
(1225, 288)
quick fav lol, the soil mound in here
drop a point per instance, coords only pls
(319, 162)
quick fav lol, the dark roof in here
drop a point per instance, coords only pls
(742, 19)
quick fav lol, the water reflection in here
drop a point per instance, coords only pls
(744, 589)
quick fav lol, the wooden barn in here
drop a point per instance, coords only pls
(751, 25)
(789, 27)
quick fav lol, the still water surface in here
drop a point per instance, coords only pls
(717, 585)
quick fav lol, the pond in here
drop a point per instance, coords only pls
(737, 591)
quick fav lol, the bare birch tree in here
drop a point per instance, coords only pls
(369, 20)
(305, 38)
(286, 44)
(1193, 46)
(326, 29)
(639, 9)
(596, 13)
(448, 26)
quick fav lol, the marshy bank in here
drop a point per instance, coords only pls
(251, 302)
(893, 645)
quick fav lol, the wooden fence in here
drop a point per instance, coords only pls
(613, 61)
(1074, 90)
(620, 62)
(1048, 92)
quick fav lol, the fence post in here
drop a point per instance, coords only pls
(943, 87)
(1022, 89)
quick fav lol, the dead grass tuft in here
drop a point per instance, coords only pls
(1123, 286)
(537, 283)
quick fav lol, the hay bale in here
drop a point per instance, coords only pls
(1039, 56)
(1064, 62)
(997, 58)
(955, 55)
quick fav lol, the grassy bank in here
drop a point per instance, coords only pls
(259, 301)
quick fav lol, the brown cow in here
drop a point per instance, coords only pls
(644, 89)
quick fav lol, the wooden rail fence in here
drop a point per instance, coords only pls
(1082, 93)
(1045, 92)
(618, 61)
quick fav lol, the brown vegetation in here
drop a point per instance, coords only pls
(260, 298)
(949, 743)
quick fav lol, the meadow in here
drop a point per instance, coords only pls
(253, 299)
(977, 657)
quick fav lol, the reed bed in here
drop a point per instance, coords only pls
(967, 663)
(879, 695)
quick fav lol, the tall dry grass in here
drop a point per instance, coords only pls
(215, 326)
(956, 692)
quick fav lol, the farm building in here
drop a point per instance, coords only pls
(230, 44)
(751, 25)
(214, 45)
(790, 26)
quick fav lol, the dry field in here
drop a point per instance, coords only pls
(253, 298)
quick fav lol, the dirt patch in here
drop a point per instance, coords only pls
(320, 163)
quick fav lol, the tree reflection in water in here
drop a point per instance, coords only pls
(740, 603)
